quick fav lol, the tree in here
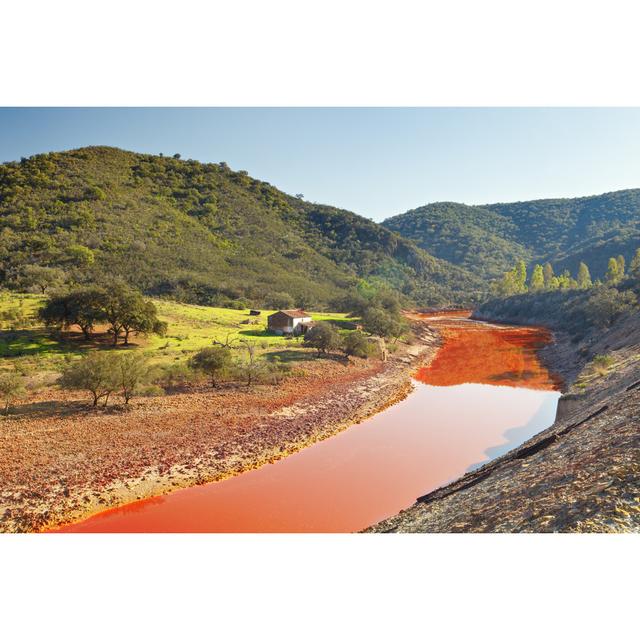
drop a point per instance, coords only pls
(634, 267)
(96, 372)
(126, 310)
(80, 256)
(621, 266)
(547, 272)
(250, 370)
(176, 156)
(43, 278)
(514, 281)
(377, 322)
(520, 274)
(142, 317)
(584, 277)
(323, 337)
(356, 344)
(537, 279)
(82, 307)
(213, 361)
(132, 371)
(565, 281)
(613, 271)
(11, 388)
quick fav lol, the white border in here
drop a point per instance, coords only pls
(285, 52)
(334, 52)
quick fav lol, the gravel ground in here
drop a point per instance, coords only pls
(60, 462)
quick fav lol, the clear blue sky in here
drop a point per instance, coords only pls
(376, 162)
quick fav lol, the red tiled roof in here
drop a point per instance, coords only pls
(295, 313)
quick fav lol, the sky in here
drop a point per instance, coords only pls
(377, 162)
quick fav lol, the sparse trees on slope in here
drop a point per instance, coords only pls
(607, 304)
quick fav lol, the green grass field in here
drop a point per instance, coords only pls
(24, 340)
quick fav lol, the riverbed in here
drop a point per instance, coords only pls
(484, 393)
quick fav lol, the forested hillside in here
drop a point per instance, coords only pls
(200, 233)
(564, 232)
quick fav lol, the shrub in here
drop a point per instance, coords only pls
(11, 388)
(132, 371)
(97, 373)
(215, 362)
(323, 337)
(356, 344)
(151, 391)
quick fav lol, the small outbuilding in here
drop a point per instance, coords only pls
(289, 322)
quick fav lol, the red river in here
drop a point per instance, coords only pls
(485, 393)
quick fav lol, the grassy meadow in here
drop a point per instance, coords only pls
(24, 341)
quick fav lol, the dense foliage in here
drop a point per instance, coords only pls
(197, 233)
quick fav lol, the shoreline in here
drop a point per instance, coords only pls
(292, 427)
(581, 474)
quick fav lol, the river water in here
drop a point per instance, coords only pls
(485, 393)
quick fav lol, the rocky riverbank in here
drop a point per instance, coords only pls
(62, 463)
(580, 475)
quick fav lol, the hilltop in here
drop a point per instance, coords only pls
(488, 239)
(201, 233)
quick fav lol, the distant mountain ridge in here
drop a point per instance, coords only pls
(488, 239)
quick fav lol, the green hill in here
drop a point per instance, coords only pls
(200, 233)
(488, 239)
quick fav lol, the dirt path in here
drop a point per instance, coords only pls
(60, 463)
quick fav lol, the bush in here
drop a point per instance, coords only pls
(607, 304)
(132, 371)
(323, 337)
(151, 391)
(173, 374)
(383, 323)
(97, 373)
(215, 362)
(11, 388)
(356, 344)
